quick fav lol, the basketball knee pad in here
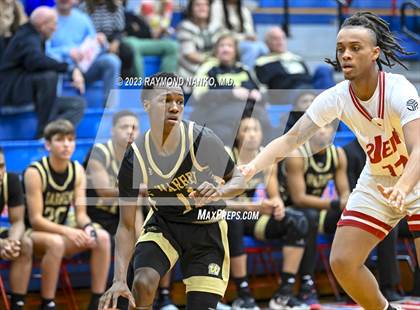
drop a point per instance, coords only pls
(296, 225)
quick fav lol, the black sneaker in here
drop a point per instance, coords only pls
(284, 300)
(245, 303)
(308, 293)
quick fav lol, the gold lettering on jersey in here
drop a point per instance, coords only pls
(318, 180)
(178, 183)
(59, 199)
(109, 209)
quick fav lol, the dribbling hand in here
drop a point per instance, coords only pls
(394, 195)
(110, 298)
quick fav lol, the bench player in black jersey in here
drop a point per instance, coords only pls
(14, 245)
(102, 168)
(54, 184)
(177, 161)
(303, 179)
(274, 223)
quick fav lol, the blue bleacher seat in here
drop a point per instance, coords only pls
(19, 154)
(19, 126)
(94, 94)
(151, 65)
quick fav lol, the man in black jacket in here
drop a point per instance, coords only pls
(28, 76)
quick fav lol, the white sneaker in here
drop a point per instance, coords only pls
(286, 302)
(222, 306)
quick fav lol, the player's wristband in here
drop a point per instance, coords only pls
(335, 204)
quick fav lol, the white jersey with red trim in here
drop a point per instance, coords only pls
(377, 122)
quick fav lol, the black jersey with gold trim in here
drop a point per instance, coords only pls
(200, 157)
(57, 189)
(319, 169)
(98, 206)
(11, 194)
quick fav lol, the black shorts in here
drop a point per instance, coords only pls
(202, 249)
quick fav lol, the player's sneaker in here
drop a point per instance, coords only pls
(222, 306)
(245, 303)
(308, 293)
(283, 299)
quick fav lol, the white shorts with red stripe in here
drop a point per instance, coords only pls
(367, 209)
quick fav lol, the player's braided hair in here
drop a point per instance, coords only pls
(384, 39)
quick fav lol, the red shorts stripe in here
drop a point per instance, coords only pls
(415, 227)
(376, 232)
(367, 218)
(414, 217)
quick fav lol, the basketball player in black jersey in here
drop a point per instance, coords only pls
(14, 245)
(178, 161)
(54, 184)
(275, 223)
(303, 178)
(102, 168)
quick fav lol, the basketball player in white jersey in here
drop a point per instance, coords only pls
(382, 110)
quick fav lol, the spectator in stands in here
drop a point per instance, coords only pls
(108, 18)
(29, 77)
(274, 223)
(303, 178)
(234, 16)
(145, 42)
(281, 69)
(74, 29)
(12, 16)
(54, 184)
(229, 91)
(14, 245)
(102, 169)
(158, 15)
(196, 37)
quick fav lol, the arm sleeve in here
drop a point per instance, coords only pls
(213, 153)
(405, 101)
(266, 72)
(15, 191)
(325, 108)
(248, 22)
(34, 59)
(186, 39)
(59, 52)
(90, 28)
(129, 177)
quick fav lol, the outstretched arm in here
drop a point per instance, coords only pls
(280, 147)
